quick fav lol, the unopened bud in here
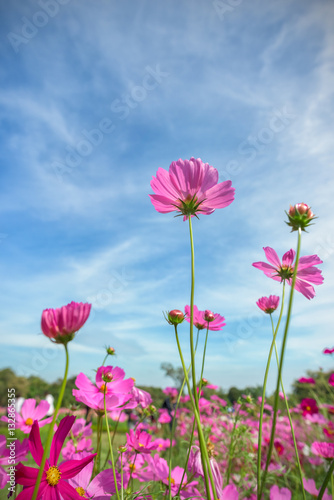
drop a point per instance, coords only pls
(300, 216)
(204, 381)
(208, 315)
(175, 317)
(110, 351)
(107, 377)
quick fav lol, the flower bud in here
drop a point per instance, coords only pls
(204, 381)
(107, 377)
(175, 317)
(110, 351)
(300, 216)
(209, 316)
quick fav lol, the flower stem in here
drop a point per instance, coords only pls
(280, 368)
(204, 451)
(50, 433)
(259, 446)
(109, 439)
(329, 476)
(192, 350)
(290, 420)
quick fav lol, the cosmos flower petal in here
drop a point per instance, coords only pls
(35, 443)
(59, 438)
(67, 491)
(28, 409)
(72, 467)
(26, 494)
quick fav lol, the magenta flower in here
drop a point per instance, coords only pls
(304, 380)
(54, 483)
(309, 406)
(190, 187)
(203, 319)
(283, 271)
(11, 452)
(310, 487)
(268, 304)
(29, 413)
(328, 351)
(140, 441)
(331, 380)
(61, 324)
(118, 392)
(323, 449)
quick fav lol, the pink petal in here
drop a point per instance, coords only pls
(41, 410)
(59, 438)
(72, 467)
(83, 382)
(26, 494)
(28, 409)
(220, 196)
(308, 261)
(35, 444)
(67, 491)
(272, 257)
(288, 258)
(26, 475)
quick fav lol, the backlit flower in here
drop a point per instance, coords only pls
(54, 483)
(61, 324)
(200, 322)
(268, 304)
(307, 273)
(190, 187)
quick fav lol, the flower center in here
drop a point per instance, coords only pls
(81, 491)
(53, 475)
(285, 272)
(29, 421)
(132, 467)
(103, 388)
(172, 481)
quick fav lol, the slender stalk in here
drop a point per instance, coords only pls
(109, 439)
(105, 359)
(280, 369)
(98, 444)
(192, 292)
(50, 433)
(229, 460)
(203, 360)
(259, 446)
(329, 476)
(204, 451)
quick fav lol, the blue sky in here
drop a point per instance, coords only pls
(96, 95)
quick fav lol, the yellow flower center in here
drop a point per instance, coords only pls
(308, 408)
(132, 467)
(29, 421)
(172, 481)
(53, 475)
(103, 388)
(81, 491)
(140, 445)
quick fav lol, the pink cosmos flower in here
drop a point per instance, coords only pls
(304, 380)
(29, 413)
(283, 271)
(279, 494)
(323, 449)
(61, 324)
(117, 390)
(201, 319)
(141, 397)
(328, 351)
(309, 406)
(268, 304)
(190, 187)
(140, 441)
(54, 483)
(331, 379)
(80, 428)
(15, 451)
(72, 449)
(164, 417)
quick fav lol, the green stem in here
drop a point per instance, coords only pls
(105, 359)
(290, 420)
(203, 360)
(204, 451)
(230, 448)
(98, 444)
(109, 439)
(50, 433)
(329, 476)
(192, 350)
(259, 447)
(280, 369)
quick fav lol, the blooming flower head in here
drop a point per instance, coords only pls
(7, 457)
(61, 324)
(307, 273)
(203, 319)
(328, 351)
(29, 413)
(190, 187)
(140, 441)
(304, 380)
(323, 449)
(331, 379)
(54, 480)
(300, 216)
(309, 406)
(109, 384)
(268, 304)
